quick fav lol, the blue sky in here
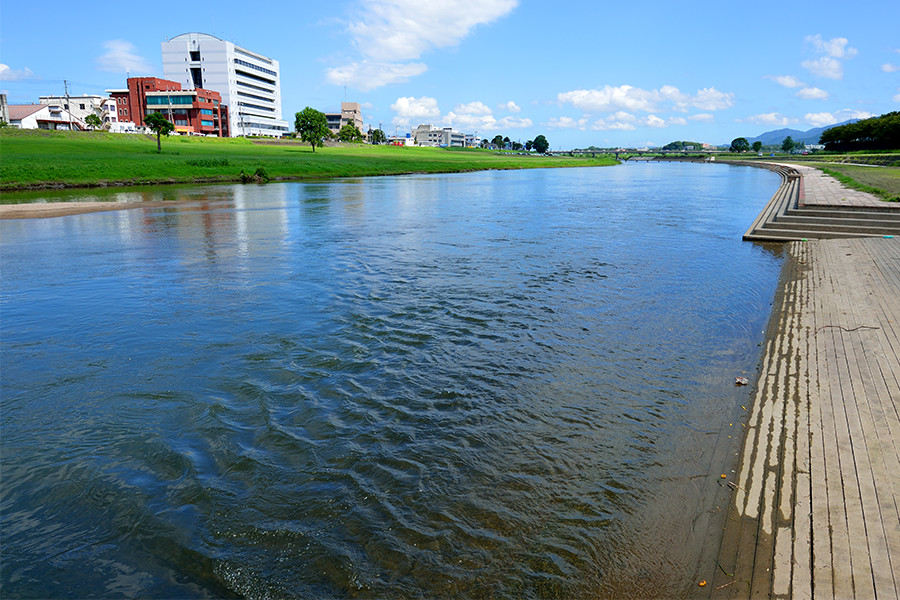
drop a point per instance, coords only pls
(580, 72)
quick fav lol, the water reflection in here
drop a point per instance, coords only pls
(482, 385)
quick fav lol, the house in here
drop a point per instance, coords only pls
(43, 116)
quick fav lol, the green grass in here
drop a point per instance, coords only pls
(880, 181)
(38, 159)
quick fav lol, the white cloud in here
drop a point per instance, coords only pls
(897, 97)
(7, 74)
(397, 30)
(621, 121)
(835, 47)
(819, 119)
(772, 118)
(510, 107)
(788, 81)
(812, 93)
(121, 57)
(825, 67)
(712, 99)
(420, 110)
(654, 121)
(826, 118)
(391, 33)
(566, 123)
(368, 75)
(513, 123)
(628, 98)
(678, 121)
(473, 108)
(889, 68)
(703, 118)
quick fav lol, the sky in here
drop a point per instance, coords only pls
(581, 72)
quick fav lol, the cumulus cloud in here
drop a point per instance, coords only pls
(121, 57)
(788, 81)
(388, 34)
(510, 107)
(773, 118)
(628, 98)
(835, 47)
(8, 74)
(367, 75)
(825, 66)
(566, 123)
(826, 118)
(889, 68)
(473, 108)
(812, 93)
(420, 110)
(835, 50)
(703, 117)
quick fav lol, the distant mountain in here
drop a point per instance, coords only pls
(775, 138)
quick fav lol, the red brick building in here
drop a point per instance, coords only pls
(196, 111)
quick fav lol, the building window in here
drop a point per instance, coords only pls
(81, 106)
(195, 55)
(206, 123)
(206, 111)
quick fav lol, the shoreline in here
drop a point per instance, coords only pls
(44, 210)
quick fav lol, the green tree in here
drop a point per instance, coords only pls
(740, 145)
(540, 144)
(757, 146)
(497, 141)
(92, 121)
(350, 133)
(529, 145)
(788, 144)
(160, 126)
(312, 126)
(378, 137)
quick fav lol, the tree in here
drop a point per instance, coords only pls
(92, 121)
(529, 145)
(350, 133)
(160, 126)
(788, 144)
(312, 127)
(757, 146)
(740, 145)
(540, 144)
(497, 141)
(378, 137)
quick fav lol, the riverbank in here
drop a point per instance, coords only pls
(37, 159)
(814, 501)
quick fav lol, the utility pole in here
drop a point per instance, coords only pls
(68, 104)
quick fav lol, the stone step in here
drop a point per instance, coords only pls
(832, 224)
(887, 215)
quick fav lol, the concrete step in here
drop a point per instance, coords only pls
(793, 235)
(816, 229)
(885, 215)
(823, 223)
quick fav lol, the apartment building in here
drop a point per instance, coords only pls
(426, 135)
(249, 82)
(351, 113)
(197, 111)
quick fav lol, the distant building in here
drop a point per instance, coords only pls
(426, 135)
(4, 109)
(249, 82)
(43, 116)
(351, 113)
(197, 111)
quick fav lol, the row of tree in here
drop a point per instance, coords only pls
(876, 133)
(538, 144)
(742, 145)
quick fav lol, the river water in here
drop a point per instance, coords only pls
(496, 384)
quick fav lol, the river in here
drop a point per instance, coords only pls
(507, 384)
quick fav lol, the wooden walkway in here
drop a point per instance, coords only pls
(815, 510)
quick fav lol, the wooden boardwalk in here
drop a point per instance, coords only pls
(815, 510)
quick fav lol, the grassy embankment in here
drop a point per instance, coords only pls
(36, 159)
(881, 178)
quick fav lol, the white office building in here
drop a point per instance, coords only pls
(250, 83)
